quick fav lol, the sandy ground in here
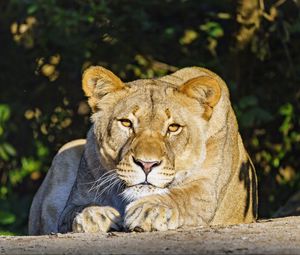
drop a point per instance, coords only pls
(277, 236)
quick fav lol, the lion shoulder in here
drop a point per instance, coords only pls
(53, 194)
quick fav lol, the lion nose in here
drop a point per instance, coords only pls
(147, 166)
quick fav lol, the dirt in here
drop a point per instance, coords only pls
(276, 236)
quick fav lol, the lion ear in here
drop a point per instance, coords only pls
(98, 82)
(205, 89)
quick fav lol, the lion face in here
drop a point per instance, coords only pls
(151, 132)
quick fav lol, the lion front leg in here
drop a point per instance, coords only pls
(187, 206)
(152, 213)
(95, 219)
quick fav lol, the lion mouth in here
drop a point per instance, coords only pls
(137, 191)
(142, 184)
(146, 183)
(149, 185)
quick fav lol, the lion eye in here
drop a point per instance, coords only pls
(126, 123)
(173, 127)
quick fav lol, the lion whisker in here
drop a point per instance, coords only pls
(107, 179)
(99, 179)
(102, 182)
(108, 187)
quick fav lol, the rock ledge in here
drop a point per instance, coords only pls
(275, 236)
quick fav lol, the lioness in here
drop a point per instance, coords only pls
(161, 154)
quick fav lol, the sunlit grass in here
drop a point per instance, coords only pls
(7, 233)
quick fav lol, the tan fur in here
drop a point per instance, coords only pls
(92, 77)
(211, 92)
(200, 175)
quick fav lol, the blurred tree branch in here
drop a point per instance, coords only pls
(249, 15)
(248, 18)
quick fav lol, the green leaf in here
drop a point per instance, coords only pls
(15, 176)
(9, 149)
(3, 191)
(3, 154)
(213, 29)
(32, 9)
(276, 162)
(169, 31)
(42, 151)
(30, 165)
(7, 218)
(4, 112)
(90, 19)
(286, 110)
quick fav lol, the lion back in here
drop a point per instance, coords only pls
(52, 196)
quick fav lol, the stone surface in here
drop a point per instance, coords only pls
(276, 236)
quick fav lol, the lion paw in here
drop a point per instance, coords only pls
(151, 216)
(97, 219)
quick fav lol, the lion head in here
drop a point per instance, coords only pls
(152, 132)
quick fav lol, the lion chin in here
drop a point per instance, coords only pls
(139, 191)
